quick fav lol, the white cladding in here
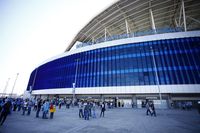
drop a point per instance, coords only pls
(125, 90)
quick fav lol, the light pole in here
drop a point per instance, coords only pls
(4, 91)
(14, 84)
(74, 84)
(156, 73)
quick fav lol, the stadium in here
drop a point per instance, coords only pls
(132, 51)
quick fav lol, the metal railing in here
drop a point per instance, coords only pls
(131, 35)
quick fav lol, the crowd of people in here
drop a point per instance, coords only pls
(46, 108)
(150, 108)
(87, 109)
(7, 105)
(185, 105)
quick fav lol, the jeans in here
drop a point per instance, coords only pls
(44, 116)
(93, 114)
(24, 110)
(37, 113)
(29, 111)
(80, 113)
(86, 114)
(19, 108)
(3, 116)
(51, 115)
(148, 111)
(102, 112)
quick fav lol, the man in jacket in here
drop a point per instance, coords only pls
(5, 111)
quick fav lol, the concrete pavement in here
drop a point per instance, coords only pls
(115, 121)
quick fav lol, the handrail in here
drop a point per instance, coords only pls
(131, 35)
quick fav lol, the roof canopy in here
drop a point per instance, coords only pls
(130, 16)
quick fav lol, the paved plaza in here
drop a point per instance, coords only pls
(115, 121)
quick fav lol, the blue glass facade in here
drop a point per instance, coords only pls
(177, 62)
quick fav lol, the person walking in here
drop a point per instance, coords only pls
(1, 104)
(103, 109)
(14, 105)
(148, 108)
(90, 109)
(60, 104)
(39, 105)
(18, 104)
(25, 106)
(86, 111)
(52, 110)
(5, 111)
(67, 104)
(35, 105)
(153, 110)
(80, 105)
(29, 107)
(94, 110)
(45, 109)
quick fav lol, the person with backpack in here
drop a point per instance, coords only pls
(52, 110)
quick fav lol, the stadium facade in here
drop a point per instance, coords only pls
(132, 51)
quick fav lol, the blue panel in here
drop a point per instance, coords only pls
(177, 62)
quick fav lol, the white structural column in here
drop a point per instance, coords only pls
(180, 16)
(156, 73)
(105, 37)
(92, 40)
(14, 84)
(128, 30)
(152, 20)
(184, 18)
(153, 26)
(127, 27)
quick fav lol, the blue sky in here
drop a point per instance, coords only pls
(32, 31)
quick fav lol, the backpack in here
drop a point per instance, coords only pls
(51, 107)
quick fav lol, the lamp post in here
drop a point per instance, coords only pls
(74, 84)
(14, 84)
(156, 73)
(4, 91)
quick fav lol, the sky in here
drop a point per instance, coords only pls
(32, 31)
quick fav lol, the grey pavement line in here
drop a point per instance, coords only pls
(75, 129)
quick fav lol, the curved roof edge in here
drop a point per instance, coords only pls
(132, 16)
(74, 40)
